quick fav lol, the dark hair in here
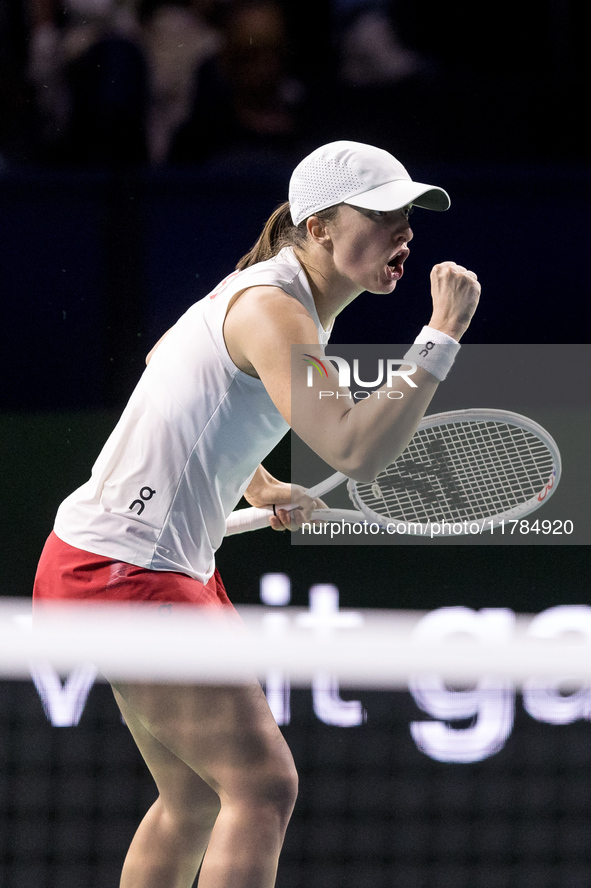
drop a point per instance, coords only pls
(279, 232)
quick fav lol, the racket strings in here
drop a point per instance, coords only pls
(461, 471)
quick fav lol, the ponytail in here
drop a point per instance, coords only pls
(279, 232)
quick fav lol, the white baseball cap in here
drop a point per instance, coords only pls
(360, 175)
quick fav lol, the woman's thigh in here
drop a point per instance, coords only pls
(225, 734)
(181, 789)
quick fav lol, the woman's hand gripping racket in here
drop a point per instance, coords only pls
(460, 468)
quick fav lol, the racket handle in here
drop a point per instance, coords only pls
(247, 519)
(242, 520)
(254, 519)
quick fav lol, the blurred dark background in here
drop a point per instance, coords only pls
(143, 144)
(142, 147)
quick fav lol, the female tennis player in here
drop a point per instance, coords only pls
(215, 398)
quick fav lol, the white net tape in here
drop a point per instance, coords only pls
(364, 648)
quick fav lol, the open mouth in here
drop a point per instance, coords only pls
(396, 262)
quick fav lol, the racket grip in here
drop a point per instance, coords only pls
(254, 519)
(247, 519)
(242, 520)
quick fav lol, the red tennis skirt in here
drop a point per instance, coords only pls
(69, 574)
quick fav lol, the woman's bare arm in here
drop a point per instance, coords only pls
(268, 333)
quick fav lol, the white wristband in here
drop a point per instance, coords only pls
(434, 351)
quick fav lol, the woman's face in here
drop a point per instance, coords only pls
(369, 248)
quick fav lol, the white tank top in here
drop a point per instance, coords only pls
(187, 444)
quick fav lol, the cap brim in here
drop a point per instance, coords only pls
(400, 193)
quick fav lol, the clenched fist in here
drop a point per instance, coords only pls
(455, 292)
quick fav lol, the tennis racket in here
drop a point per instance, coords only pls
(460, 468)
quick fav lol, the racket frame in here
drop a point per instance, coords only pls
(254, 518)
(474, 525)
